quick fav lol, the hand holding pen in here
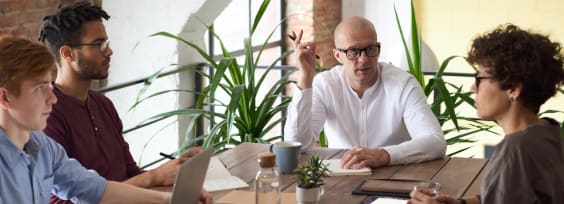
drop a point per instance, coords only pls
(306, 60)
(168, 156)
(293, 38)
(188, 154)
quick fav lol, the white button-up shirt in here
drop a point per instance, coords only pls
(393, 115)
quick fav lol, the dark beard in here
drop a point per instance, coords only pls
(87, 69)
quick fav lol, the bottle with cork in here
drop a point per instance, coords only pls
(267, 181)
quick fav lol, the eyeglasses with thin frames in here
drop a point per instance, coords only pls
(478, 79)
(354, 53)
(104, 45)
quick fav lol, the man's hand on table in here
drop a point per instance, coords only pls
(359, 157)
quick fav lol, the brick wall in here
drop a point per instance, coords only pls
(23, 17)
(318, 19)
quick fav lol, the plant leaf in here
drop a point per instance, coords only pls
(412, 69)
(259, 14)
(416, 48)
(194, 46)
(447, 99)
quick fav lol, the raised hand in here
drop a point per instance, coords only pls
(305, 52)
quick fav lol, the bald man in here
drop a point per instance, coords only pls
(375, 110)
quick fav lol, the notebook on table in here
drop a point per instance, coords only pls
(190, 178)
(334, 165)
(218, 178)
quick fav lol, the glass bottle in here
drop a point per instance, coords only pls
(267, 181)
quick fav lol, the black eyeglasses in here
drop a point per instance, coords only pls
(103, 45)
(478, 79)
(354, 53)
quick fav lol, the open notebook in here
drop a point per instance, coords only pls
(218, 178)
(334, 165)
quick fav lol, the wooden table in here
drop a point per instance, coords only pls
(457, 176)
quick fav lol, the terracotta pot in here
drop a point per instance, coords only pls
(309, 195)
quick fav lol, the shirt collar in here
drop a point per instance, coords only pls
(11, 152)
(32, 147)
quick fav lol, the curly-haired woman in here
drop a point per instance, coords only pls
(516, 72)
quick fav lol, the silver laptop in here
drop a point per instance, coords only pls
(190, 178)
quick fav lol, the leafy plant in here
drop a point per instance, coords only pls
(311, 175)
(247, 116)
(449, 97)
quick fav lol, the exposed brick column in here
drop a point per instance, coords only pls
(23, 17)
(318, 19)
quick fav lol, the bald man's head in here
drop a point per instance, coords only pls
(351, 28)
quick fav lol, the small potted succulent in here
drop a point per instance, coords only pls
(310, 180)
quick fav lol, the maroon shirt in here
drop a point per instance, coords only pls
(91, 132)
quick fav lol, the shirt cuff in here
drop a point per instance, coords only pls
(99, 186)
(306, 92)
(394, 153)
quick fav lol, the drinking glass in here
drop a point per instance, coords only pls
(432, 187)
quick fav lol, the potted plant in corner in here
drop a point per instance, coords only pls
(310, 181)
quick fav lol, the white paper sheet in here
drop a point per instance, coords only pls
(389, 201)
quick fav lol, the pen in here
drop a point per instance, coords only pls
(167, 156)
(294, 39)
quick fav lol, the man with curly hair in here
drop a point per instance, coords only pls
(517, 71)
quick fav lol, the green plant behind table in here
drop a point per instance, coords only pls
(450, 96)
(247, 116)
(311, 175)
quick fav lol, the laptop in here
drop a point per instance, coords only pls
(190, 178)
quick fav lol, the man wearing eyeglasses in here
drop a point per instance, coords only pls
(83, 121)
(375, 110)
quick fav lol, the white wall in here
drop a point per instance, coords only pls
(381, 13)
(130, 24)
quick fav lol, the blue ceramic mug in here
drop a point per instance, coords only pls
(287, 155)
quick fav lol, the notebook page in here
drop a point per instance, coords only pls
(334, 165)
(218, 178)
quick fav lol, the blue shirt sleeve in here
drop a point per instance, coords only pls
(71, 180)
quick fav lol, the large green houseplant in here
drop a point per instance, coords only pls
(450, 96)
(247, 116)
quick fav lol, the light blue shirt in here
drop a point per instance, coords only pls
(42, 167)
